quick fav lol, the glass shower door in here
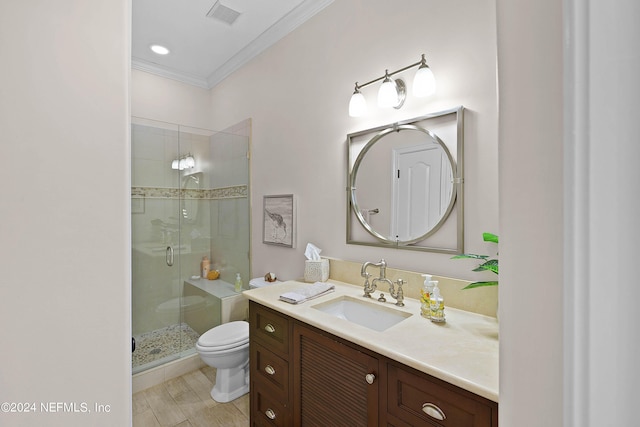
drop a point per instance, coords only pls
(156, 244)
(190, 199)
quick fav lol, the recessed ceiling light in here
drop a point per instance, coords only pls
(160, 50)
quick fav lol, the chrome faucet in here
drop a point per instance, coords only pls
(370, 287)
(382, 264)
(399, 294)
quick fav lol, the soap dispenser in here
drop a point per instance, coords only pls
(437, 305)
(238, 285)
(425, 294)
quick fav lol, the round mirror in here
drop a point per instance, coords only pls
(402, 184)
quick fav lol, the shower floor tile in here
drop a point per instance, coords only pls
(156, 346)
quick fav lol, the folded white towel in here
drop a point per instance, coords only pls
(308, 292)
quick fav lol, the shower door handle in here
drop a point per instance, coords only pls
(169, 256)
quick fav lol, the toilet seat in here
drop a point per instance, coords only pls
(224, 337)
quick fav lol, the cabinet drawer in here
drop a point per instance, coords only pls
(270, 368)
(419, 400)
(268, 408)
(270, 329)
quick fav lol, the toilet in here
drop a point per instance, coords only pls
(226, 348)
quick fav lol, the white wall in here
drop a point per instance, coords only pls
(64, 233)
(568, 100)
(159, 98)
(602, 65)
(297, 95)
(531, 212)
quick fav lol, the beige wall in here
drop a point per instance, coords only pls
(64, 256)
(297, 95)
(159, 98)
(531, 212)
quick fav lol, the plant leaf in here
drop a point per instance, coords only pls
(480, 284)
(490, 237)
(490, 265)
(468, 256)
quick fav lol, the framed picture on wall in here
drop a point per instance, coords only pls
(278, 223)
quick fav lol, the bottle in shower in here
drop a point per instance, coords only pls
(205, 266)
(238, 285)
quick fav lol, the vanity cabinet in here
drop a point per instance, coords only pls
(270, 367)
(303, 376)
(415, 398)
(333, 383)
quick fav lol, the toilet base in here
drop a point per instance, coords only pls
(231, 384)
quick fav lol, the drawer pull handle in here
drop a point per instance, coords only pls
(269, 370)
(433, 411)
(270, 328)
(270, 414)
(370, 378)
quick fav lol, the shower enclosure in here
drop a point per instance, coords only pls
(189, 199)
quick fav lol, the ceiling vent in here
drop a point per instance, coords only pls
(223, 13)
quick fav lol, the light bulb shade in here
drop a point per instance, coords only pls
(357, 104)
(424, 83)
(387, 94)
(182, 164)
(175, 164)
(190, 161)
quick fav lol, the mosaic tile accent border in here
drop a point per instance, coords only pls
(233, 192)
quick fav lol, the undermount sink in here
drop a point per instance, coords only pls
(365, 313)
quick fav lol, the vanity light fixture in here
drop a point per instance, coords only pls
(185, 162)
(392, 92)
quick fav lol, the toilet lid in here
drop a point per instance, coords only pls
(226, 335)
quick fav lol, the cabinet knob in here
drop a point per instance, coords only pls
(270, 414)
(269, 370)
(270, 328)
(370, 378)
(433, 411)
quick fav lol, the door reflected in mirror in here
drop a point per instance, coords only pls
(405, 183)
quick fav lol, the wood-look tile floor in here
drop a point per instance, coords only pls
(186, 402)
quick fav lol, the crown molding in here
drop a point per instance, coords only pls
(302, 13)
(150, 67)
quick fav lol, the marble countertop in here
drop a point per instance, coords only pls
(463, 351)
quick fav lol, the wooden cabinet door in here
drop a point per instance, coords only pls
(334, 384)
(417, 399)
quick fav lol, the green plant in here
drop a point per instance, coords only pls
(487, 265)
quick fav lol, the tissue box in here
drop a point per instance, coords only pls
(316, 271)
